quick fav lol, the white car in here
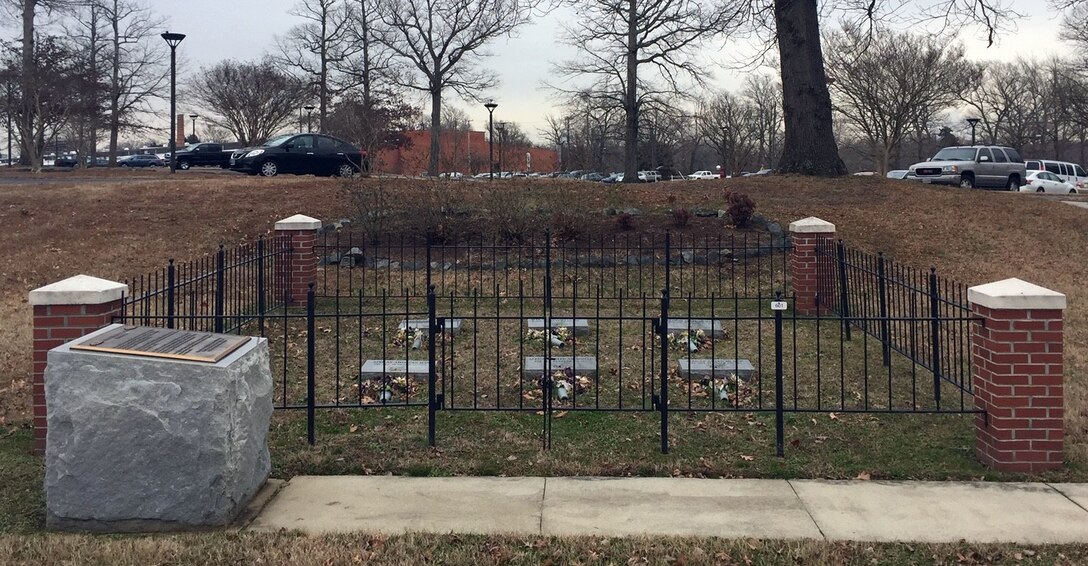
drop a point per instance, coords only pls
(703, 175)
(1046, 182)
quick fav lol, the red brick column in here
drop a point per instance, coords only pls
(805, 236)
(294, 275)
(1017, 365)
(64, 311)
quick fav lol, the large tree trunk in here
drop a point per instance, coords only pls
(630, 98)
(28, 140)
(115, 85)
(809, 146)
(436, 131)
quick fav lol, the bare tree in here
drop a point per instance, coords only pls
(809, 142)
(321, 49)
(882, 83)
(630, 45)
(136, 64)
(729, 124)
(440, 43)
(51, 99)
(252, 100)
(31, 78)
(764, 95)
(372, 61)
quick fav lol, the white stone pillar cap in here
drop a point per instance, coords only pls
(78, 290)
(1015, 294)
(298, 222)
(812, 225)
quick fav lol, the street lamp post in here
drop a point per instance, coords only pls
(502, 143)
(490, 105)
(973, 122)
(173, 40)
(309, 119)
(9, 125)
(194, 117)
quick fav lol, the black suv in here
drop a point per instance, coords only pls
(300, 154)
(203, 154)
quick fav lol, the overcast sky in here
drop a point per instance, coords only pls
(246, 29)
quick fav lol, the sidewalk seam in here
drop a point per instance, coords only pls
(1062, 493)
(543, 496)
(805, 508)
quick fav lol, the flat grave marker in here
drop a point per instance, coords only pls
(720, 367)
(582, 365)
(712, 328)
(376, 369)
(579, 325)
(453, 325)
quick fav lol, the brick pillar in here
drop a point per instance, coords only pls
(1016, 358)
(805, 235)
(64, 311)
(294, 275)
(180, 141)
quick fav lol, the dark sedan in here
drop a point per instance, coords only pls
(141, 160)
(300, 154)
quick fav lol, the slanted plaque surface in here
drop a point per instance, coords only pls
(717, 367)
(377, 368)
(579, 325)
(164, 343)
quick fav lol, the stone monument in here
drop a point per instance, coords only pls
(151, 441)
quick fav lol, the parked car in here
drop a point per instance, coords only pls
(1069, 172)
(669, 174)
(203, 155)
(300, 154)
(140, 160)
(65, 161)
(1046, 182)
(760, 173)
(594, 176)
(972, 166)
(649, 176)
(897, 174)
(703, 175)
(613, 178)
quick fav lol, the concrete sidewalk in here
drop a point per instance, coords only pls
(1028, 513)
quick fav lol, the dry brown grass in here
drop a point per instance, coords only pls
(289, 549)
(114, 229)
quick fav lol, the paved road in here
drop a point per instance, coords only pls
(1027, 513)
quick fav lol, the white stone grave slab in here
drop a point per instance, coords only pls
(580, 325)
(375, 369)
(720, 367)
(712, 328)
(453, 325)
(582, 365)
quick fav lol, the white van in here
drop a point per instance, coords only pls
(1069, 172)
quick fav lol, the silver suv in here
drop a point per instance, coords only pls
(972, 166)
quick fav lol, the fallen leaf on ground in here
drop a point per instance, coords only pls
(747, 458)
(863, 476)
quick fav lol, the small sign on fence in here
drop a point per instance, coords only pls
(778, 305)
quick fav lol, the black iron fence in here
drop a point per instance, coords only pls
(222, 292)
(912, 312)
(664, 324)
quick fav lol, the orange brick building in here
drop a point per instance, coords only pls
(463, 152)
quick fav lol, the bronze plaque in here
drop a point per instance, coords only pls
(164, 343)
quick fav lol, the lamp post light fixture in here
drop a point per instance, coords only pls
(490, 105)
(502, 143)
(973, 122)
(173, 40)
(194, 117)
(309, 118)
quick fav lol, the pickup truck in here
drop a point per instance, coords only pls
(203, 155)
